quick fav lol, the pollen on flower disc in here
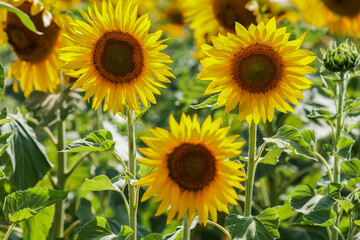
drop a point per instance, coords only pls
(257, 68)
(118, 57)
(191, 166)
(29, 46)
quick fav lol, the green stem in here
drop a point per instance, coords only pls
(340, 111)
(326, 165)
(121, 160)
(8, 232)
(250, 170)
(186, 228)
(219, 227)
(132, 170)
(59, 217)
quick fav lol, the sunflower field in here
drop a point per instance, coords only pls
(179, 119)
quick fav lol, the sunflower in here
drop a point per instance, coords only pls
(37, 66)
(257, 69)
(342, 17)
(173, 19)
(192, 171)
(209, 17)
(116, 58)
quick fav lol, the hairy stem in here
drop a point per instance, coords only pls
(132, 170)
(59, 217)
(186, 228)
(250, 170)
(8, 232)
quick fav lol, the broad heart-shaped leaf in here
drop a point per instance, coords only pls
(99, 229)
(22, 205)
(208, 103)
(290, 138)
(262, 227)
(100, 183)
(323, 218)
(46, 106)
(97, 141)
(2, 80)
(345, 204)
(272, 156)
(343, 146)
(28, 156)
(24, 18)
(304, 199)
(38, 226)
(350, 171)
(315, 207)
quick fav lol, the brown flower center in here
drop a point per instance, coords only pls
(28, 45)
(191, 166)
(257, 68)
(228, 11)
(175, 16)
(118, 57)
(349, 8)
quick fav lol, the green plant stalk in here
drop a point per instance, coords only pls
(8, 232)
(219, 227)
(250, 170)
(132, 169)
(340, 111)
(186, 228)
(59, 217)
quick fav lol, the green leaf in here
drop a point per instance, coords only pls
(152, 236)
(177, 235)
(271, 220)
(322, 114)
(208, 103)
(2, 80)
(262, 227)
(323, 218)
(97, 229)
(46, 106)
(98, 141)
(343, 146)
(100, 183)
(284, 211)
(143, 110)
(330, 86)
(28, 156)
(4, 141)
(310, 138)
(125, 232)
(350, 171)
(38, 226)
(357, 223)
(22, 205)
(290, 138)
(304, 200)
(24, 18)
(2, 174)
(351, 103)
(345, 204)
(272, 156)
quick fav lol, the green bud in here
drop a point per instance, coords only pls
(341, 58)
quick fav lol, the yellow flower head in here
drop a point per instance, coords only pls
(37, 66)
(192, 171)
(257, 69)
(116, 58)
(342, 17)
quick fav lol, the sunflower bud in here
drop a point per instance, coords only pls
(341, 58)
